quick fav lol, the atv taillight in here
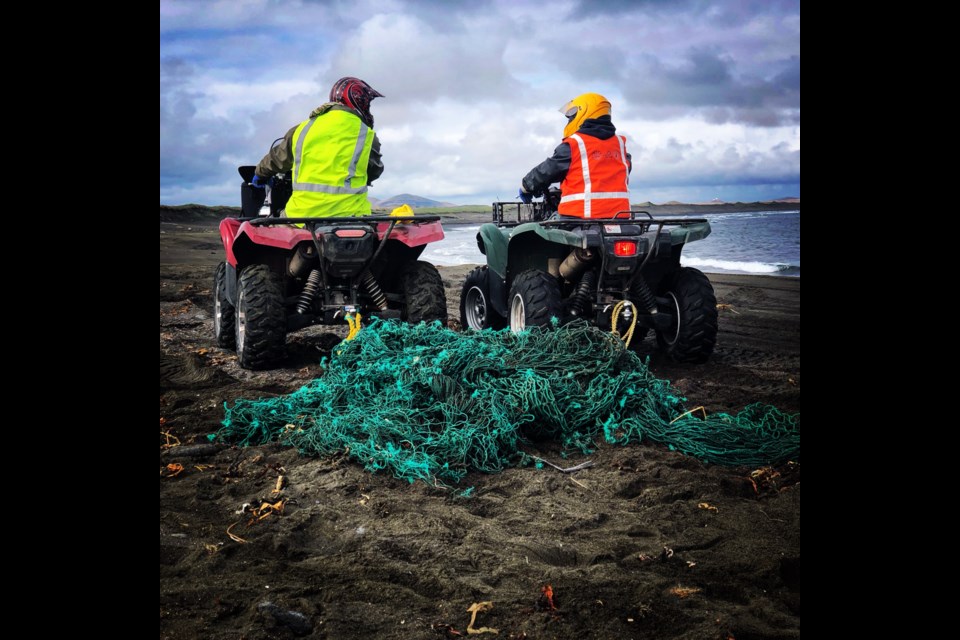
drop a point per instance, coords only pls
(349, 233)
(624, 248)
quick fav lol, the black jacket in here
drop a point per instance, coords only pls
(554, 168)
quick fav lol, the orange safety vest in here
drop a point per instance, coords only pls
(596, 184)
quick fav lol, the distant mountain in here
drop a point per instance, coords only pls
(790, 199)
(410, 199)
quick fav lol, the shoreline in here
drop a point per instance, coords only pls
(202, 215)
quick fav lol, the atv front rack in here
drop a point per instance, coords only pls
(512, 213)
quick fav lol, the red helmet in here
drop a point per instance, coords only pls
(356, 94)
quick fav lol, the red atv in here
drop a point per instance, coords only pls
(284, 274)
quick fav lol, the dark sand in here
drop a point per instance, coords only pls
(356, 555)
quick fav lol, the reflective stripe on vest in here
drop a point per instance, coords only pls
(316, 187)
(588, 196)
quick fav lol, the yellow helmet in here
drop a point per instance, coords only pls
(587, 105)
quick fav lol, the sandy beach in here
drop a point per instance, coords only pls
(647, 543)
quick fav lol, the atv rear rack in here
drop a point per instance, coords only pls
(648, 222)
(508, 214)
(263, 220)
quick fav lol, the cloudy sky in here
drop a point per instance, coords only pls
(707, 93)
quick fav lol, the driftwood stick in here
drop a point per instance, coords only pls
(582, 465)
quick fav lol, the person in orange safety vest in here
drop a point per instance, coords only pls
(591, 163)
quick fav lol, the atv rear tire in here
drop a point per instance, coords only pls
(224, 315)
(423, 295)
(476, 312)
(692, 302)
(534, 299)
(261, 318)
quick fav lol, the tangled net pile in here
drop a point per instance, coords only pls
(430, 403)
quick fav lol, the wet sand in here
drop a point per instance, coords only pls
(627, 546)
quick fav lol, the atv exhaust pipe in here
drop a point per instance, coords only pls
(300, 262)
(575, 263)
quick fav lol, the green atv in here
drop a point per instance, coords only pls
(613, 273)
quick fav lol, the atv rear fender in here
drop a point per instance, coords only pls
(244, 241)
(524, 246)
(512, 250)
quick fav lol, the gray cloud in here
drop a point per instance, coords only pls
(586, 8)
(472, 88)
(411, 60)
(676, 163)
(708, 82)
(594, 63)
(189, 154)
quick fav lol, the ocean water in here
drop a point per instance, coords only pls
(761, 242)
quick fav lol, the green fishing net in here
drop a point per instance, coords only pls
(425, 402)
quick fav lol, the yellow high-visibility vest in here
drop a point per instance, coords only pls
(330, 155)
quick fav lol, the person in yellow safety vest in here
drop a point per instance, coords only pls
(591, 164)
(333, 155)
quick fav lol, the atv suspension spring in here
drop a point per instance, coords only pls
(309, 291)
(581, 297)
(645, 299)
(374, 290)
